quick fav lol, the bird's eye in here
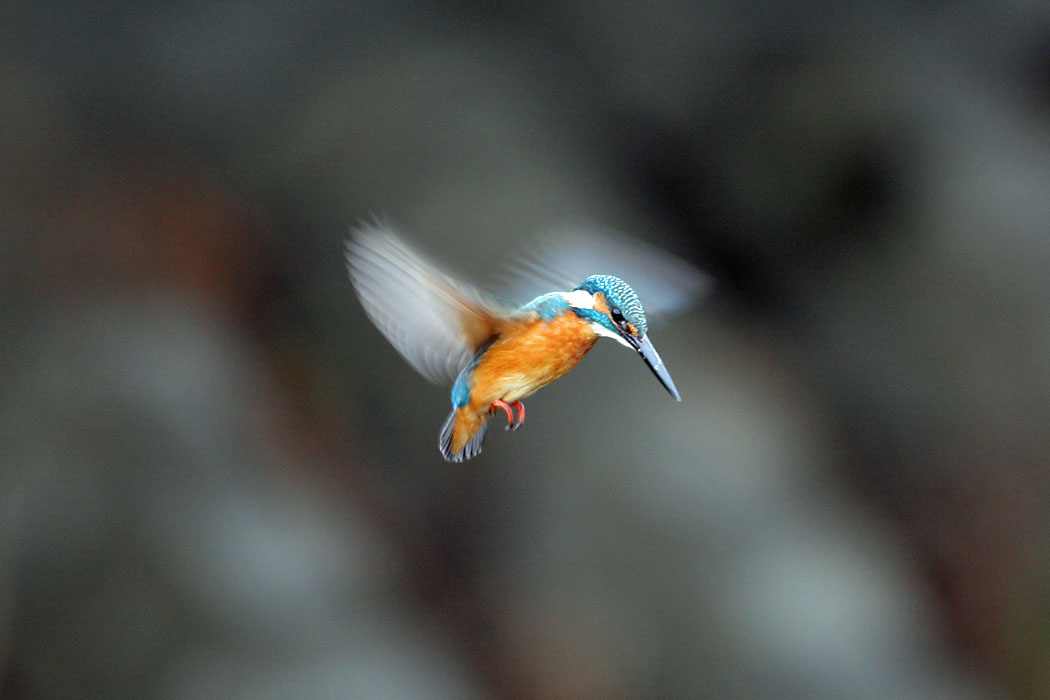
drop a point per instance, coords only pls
(617, 316)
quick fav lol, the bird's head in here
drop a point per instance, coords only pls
(613, 310)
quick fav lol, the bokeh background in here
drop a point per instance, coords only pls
(218, 480)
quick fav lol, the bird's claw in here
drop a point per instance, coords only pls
(513, 422)
(520, 408)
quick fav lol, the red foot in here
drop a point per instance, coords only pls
(513, 423)
(520, 408)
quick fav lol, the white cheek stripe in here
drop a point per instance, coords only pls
(579, 299)
(582, 299)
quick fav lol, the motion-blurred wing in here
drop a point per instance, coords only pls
(564, 257)
(435, 322)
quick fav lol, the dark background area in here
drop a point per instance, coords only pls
(218, 480)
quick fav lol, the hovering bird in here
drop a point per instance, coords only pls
(500, 353)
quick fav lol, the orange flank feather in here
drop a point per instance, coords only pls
(522, 360)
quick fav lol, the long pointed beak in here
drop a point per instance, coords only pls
(652, 358)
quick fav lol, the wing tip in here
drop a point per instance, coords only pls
(666, 282)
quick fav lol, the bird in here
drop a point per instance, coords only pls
(496, 352)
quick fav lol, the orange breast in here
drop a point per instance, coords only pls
(529, 358)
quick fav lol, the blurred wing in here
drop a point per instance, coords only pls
(435, 322)
(564, 257)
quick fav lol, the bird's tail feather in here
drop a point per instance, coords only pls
(451, 433)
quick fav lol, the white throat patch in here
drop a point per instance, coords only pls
(602, 330)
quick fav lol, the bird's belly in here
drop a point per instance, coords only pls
(520, 365)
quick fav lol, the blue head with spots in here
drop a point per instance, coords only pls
(625, 310)
(622, 318)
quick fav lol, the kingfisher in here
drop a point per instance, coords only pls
(499, 353)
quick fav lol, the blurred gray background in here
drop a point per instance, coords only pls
(218, 480)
